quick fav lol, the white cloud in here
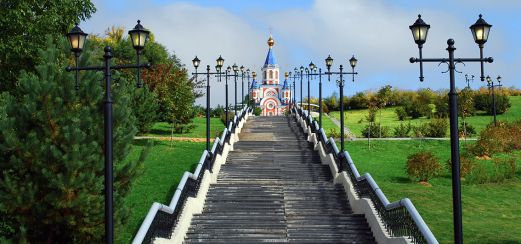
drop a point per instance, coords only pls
(375, 31)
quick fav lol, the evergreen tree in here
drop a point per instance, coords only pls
(51, 153)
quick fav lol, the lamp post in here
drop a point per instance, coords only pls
(196, 62)
(235, 75)
(480, 31)
(301, 74)
(469, 80)
(307, 76)
(329, 62)
(491, 85)
(254, 75)
(319, 74)
(248, 87)
(77, 37)
(294, 75)
(242, 86)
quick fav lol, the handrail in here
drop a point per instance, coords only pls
(166, 216)
(366, 186)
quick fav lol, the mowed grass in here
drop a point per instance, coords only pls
(490, 211)
(165, 129)
(356, 121)
(163, 169)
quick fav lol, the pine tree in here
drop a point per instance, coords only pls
(51, 153)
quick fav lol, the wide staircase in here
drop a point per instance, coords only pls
(274, 189)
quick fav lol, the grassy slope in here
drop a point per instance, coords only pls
(490, 211)
(163, 170)
(389, 118)
(165, 129)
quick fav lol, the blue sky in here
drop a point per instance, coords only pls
(376, 32)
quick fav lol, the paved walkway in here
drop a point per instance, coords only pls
(350, 135)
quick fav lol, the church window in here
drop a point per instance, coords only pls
(271, 74)
(271, 93)
(265, 76)
(276, 74)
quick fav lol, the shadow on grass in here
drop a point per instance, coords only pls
(143, 142)
(400, 179)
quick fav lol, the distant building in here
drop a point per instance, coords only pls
(270, 96)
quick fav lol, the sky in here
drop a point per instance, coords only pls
(376, 32)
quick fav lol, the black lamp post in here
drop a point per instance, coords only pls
(491, 85)
(248, 87)
(469, 80)
(319, 74)
(254, 75)
(480, 31)
(77, 37)
(301, 74)
(242, 86)
(196, 62)
(307, 76)
(329, 62)
(235, 75)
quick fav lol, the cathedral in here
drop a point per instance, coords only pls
(274, 99)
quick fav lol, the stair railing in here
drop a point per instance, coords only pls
(161, 219)
(400, 218)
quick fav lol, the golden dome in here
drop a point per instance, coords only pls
(286, 74)
(271, 42)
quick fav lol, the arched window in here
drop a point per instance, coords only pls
(271, 74)
(271, 94)
(265, 76)
(276, 74)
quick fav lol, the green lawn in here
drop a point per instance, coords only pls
(163, 170)
(490, 211)
(355, 119)
(165, 129)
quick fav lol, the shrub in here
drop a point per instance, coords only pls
(495, 139)
(400, 112)
(421, 130)
(484, 102)
(375, 130)
(467, 164)
(333, 133)
(478, 175)
(441, 103)
(423, 166)
(504, 169)
(466, 129)
(403, 130)
(230, 117)
(437, 128)
(257, 111)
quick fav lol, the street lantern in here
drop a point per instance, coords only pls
(353, 61)
(235, 67)
(196, 62)
(220, 63)
(229, 69)
(139, 36)
(480, 30)
(301, 69)
(312, 66)
(499, 79)
(242, 68)
(419, 30)
(329, 61)
(76, 39)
